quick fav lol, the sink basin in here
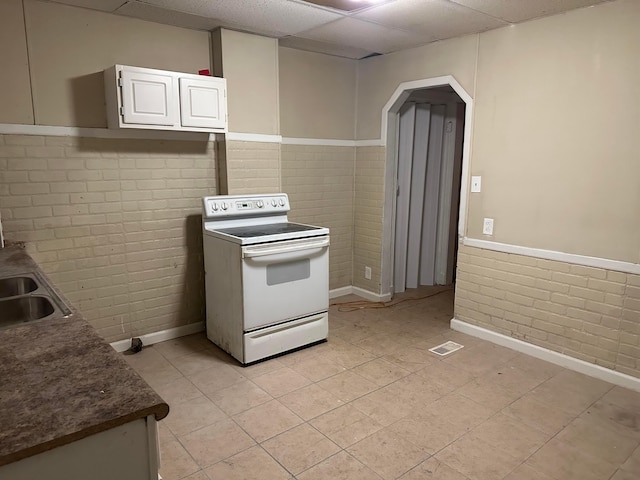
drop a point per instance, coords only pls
(10, 287)
(24, 309)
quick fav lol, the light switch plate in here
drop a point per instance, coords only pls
(476, 184)
(487, 226)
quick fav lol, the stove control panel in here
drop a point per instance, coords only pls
(245, 205)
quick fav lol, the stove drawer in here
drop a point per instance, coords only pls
(284, 337)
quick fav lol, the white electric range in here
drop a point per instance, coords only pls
(266, 279)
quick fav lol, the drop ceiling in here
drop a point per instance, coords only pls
(346, 28)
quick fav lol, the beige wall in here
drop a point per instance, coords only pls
(553, 131)
(250, 65)
(588, 313)
(70, 47)
(378, 77)
(115, 223)
(320, 182)
(317, 95)
(556, 133)
(15, 89)
(555, 140)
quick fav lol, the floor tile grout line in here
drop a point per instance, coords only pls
(320, 461)
(275, 459)
(559, 431)
(474, 377)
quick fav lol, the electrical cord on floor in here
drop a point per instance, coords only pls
(356, 305)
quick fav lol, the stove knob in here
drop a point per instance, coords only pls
(224, 205)
(260, 204)
(214, 207)
(274, 202)
(282, 202)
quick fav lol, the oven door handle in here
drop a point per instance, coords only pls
(248, 252)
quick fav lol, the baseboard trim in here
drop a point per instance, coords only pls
(161, 336)
(584, 260)
(340, 292)
(596, 371)
(171, 333)
(361, 292)
(373, 297)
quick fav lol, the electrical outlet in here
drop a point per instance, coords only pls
(487, 226)
(367, 273)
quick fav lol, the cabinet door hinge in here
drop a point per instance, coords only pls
(120, 81)
(122, 111)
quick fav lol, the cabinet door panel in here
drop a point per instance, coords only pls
(149, 98)
(203, 102)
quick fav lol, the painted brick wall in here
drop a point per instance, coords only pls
(589, 313)
(320, 184)
(115, 223)
(251, 167)
(368, 206)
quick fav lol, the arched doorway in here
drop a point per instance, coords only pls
(411, 93)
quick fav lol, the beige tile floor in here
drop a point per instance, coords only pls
(374, 403)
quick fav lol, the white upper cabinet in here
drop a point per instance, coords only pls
(149, 98)
(162, 100)
(203, 103)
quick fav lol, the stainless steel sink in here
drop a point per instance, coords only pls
(28, 298)
(24, 309)
(10, 287)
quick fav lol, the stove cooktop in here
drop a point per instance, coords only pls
(253, 231)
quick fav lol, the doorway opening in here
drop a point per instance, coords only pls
(428, 135)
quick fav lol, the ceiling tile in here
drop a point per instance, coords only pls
(519, 11)
(104, 5)
(347, 5)
(151, 13)
(364, 35)
(270, 17)
(433, 19)
(323, 47)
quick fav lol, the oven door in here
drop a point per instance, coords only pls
(284, 280)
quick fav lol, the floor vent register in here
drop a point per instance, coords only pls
(446, 348)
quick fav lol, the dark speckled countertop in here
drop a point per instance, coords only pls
(60, 381)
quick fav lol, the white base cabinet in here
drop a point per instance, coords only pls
(127, 452)
(162, 100)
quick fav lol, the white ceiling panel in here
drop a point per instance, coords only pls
(272, 17)
(324, 47)
(104, 5)
(152, 13)
(521, 10)
(364, 35)
(433, 19)
(382, 28)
